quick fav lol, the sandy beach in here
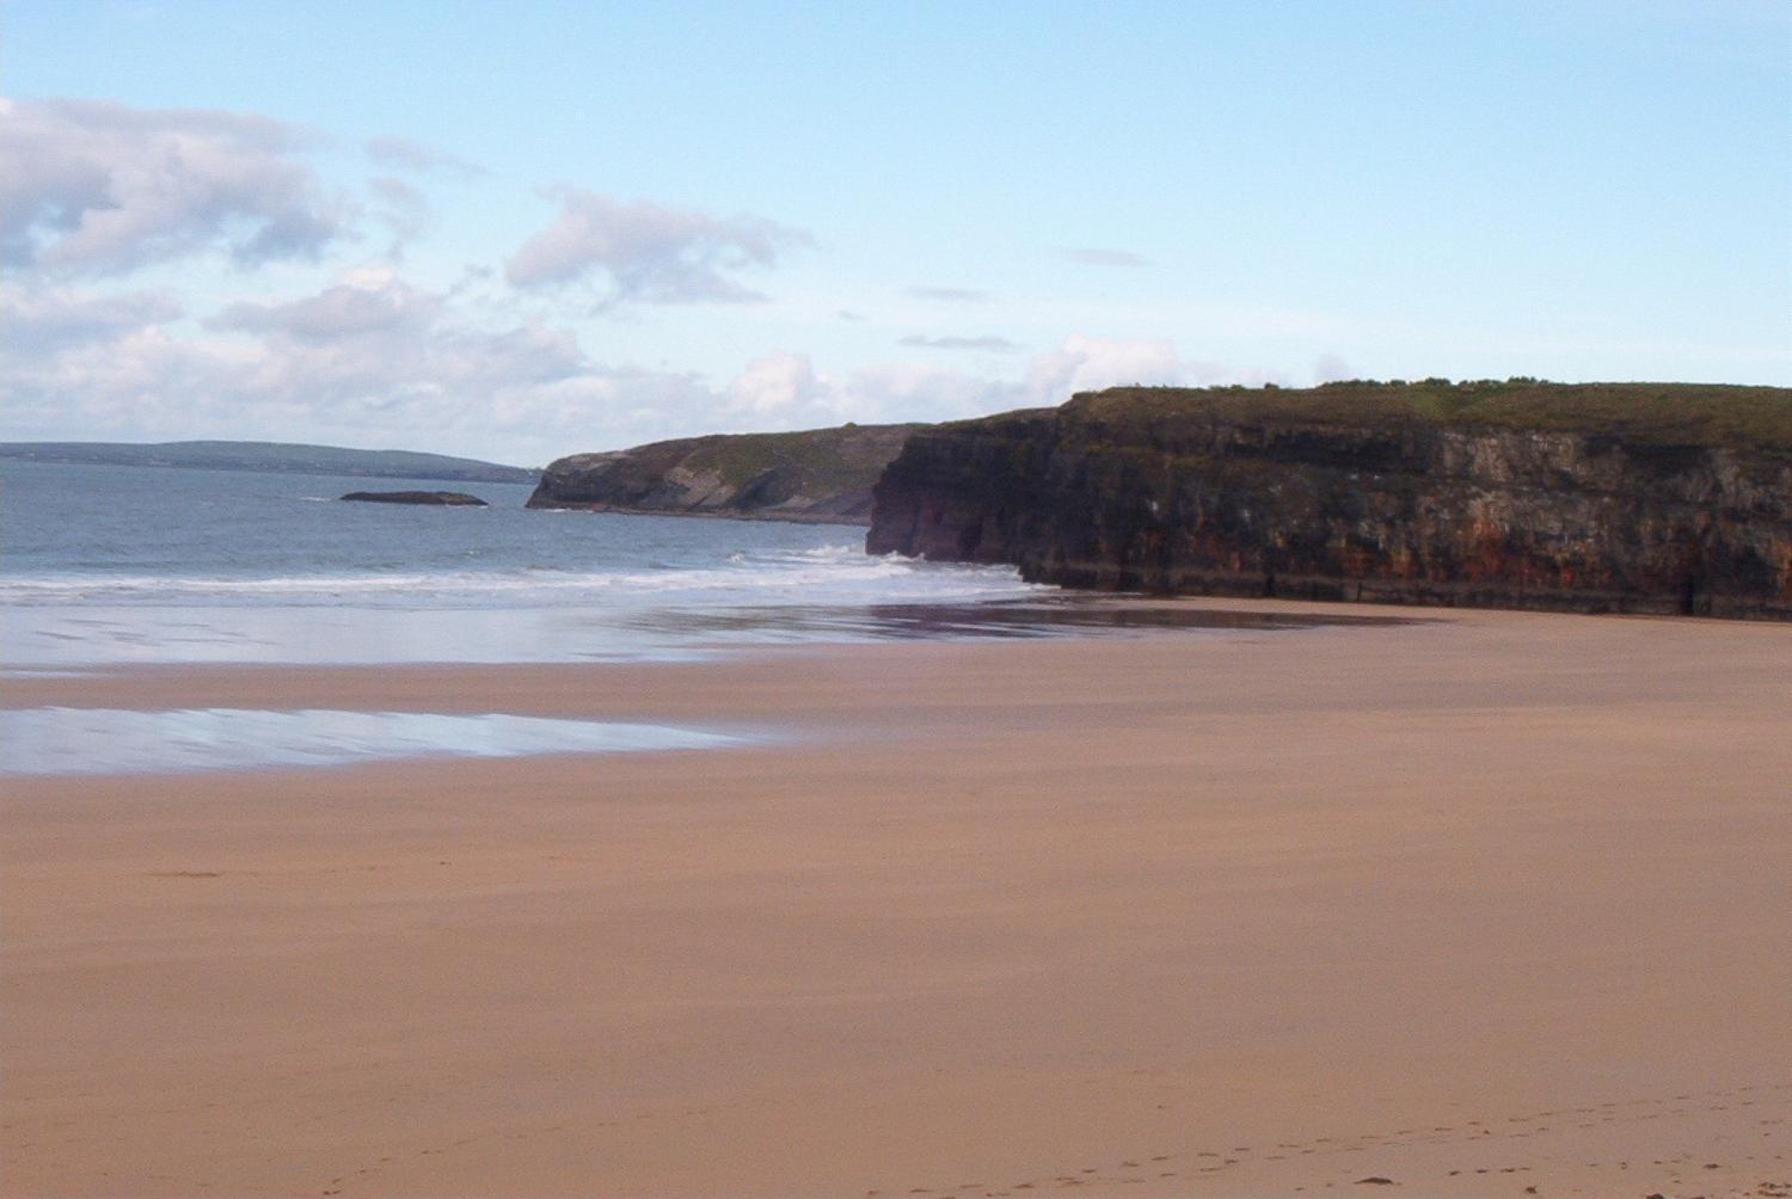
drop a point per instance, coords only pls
(1486, 904)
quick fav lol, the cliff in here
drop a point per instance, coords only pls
(821, 475)
(1661, 498)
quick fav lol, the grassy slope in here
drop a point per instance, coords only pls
(825, 459)
(1686, 414)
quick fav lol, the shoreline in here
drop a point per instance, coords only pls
(788, 518)
(1224, 915)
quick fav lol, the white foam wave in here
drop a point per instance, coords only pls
(823, 573)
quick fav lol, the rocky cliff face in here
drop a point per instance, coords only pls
(821, 475)
(1669, 500)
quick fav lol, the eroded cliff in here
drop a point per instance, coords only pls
(1599, 497)
(819, 475)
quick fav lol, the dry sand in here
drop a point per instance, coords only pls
(1489, 903)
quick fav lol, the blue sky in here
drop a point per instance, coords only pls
(519, 230)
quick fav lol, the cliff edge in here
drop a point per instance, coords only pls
(1664, 498)
(819, 475)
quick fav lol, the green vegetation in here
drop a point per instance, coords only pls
(823, 459)
(270, 456)
(815, 474)
(1679, 414)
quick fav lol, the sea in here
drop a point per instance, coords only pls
(104, 568)
(112, 565)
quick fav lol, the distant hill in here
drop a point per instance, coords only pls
(818, 475)
(270, 456)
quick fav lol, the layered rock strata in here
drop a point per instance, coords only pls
(1595, 498)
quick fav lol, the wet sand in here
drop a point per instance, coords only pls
(1487, 903)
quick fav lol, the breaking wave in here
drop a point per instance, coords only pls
(824, 574)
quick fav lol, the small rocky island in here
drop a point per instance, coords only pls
(449, 499)
(817, 476)
(1633, 497)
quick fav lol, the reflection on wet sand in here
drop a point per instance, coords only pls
(1056, 616)
(56, 740)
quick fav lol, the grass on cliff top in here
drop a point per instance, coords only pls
(1688, 414)
(839, 458)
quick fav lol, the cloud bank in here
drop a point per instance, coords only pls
(401, 153)
(367, 360)
(639, 252)
(91, 188)
(373, 360)
(41, 321)
(92, 192)
(997, 345)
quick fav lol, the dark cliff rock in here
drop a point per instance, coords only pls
(1600, 497)
(820, 475)
(450, 499)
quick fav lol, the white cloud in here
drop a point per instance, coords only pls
(91, 188)
(94, 190)
(645, 253)
(784, 391)
(43, 319)
(402, 209)
(369, 360)
(401, 153)
(777, 386)
(1090, 363)
(372, 360)
(900, 391)
(369, 303)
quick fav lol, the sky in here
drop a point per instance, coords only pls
(520, 230)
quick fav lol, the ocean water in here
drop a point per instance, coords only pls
(102, 566)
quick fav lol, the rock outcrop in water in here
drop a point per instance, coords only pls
(820, 475)
(1595, 498)
(450, 499)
